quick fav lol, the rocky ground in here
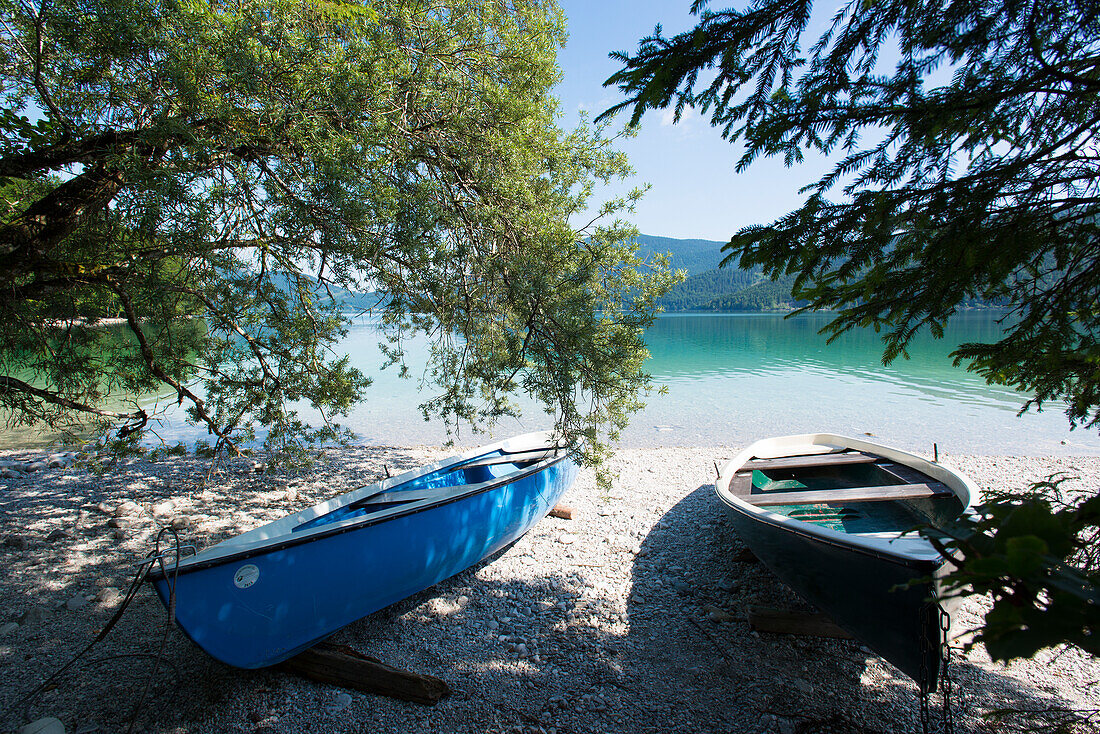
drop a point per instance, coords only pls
(627, 618)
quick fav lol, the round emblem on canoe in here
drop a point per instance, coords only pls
(246, 576)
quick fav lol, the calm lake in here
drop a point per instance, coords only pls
(734, 378)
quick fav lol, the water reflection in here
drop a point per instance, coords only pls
(702, 348)
(734, 378)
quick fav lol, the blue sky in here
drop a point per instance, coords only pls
(696, 193)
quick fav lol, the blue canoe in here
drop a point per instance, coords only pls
(265, 595)
(834, 518)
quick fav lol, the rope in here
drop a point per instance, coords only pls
(154, 556)
(158, 558)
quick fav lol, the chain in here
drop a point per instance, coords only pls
(945, 671)
(941, 622)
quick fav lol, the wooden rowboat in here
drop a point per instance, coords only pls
(834, 518)
(261, 597)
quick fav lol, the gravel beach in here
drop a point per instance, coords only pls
(627, 618)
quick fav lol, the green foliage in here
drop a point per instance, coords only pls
(1035, 554)
(965, 171)
(220, 176)
(766, 295)
(699, 291)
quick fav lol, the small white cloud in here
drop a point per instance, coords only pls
(690, 120)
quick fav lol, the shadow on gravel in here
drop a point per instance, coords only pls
(687, 615)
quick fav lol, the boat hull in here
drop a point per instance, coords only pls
(880, 586)
(258, 610)
(863, 593)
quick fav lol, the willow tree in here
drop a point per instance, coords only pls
(967, 166)
(243, 161)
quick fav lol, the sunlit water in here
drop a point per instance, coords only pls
(734, 378)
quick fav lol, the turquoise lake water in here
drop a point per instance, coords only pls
(735, 378)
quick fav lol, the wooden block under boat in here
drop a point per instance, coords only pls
(789, 622)
(922, 490)
(342, 666)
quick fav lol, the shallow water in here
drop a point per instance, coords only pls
(735, 378)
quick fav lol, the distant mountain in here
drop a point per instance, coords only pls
(693, 256)
(345, 299)
(710, 288)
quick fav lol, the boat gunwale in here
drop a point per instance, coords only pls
(283, 541)
(882, 547)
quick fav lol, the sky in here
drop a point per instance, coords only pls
(696, 192)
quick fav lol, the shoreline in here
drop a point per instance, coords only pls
(627, 618)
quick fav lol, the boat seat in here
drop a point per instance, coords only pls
(921, 490)
(807, 462)
(408, 495)
(742, 487)
(526, 457)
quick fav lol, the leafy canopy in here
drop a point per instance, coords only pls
(965, 168)
(1036, 555)
(239, 162)
(967, 165)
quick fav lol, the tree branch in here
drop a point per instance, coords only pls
(150, 360)
(9, 385)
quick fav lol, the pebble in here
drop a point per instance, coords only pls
(803, 685)
(106, 508)
(7, 628)
(18, 542)
(127, 507)
(118, 522)
(340, 702)
(32, 616)
(164, 508)
(108, 595)
(179, 523)
(48, 725)
(716, 614)
(78, 601)
(58, 534)
(567, 538)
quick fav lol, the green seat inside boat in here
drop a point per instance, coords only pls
(853, 516)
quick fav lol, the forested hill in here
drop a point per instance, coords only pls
(710, 288)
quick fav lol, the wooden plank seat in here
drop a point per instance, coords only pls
(922, 490)
(517, 458)
(811, 461)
